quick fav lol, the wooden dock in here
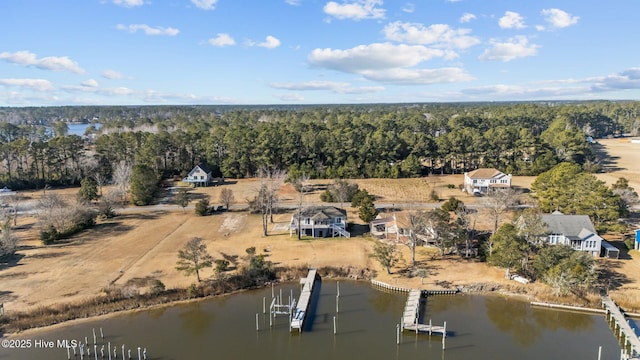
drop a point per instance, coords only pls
(300, 313)
(622, 328)
(411, 316)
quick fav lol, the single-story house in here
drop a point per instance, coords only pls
(201, 175)
(479, 181)
(319, 222)
(576, 231)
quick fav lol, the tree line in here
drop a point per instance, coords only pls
(349, 141)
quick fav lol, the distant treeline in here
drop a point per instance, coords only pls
(332, 141)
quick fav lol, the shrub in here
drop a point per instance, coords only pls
(452, 204)
(326, 196)
(202, 207)
(157, 287)
(49, 235)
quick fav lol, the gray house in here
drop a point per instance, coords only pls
(319, 222)
(576, 231)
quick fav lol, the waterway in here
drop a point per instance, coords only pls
(480, 327)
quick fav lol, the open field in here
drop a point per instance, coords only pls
(143, 242)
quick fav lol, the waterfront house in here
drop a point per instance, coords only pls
(479, 181)
(575, 231)
(319, 222)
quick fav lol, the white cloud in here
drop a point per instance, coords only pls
(222, 40)
(117, 91)
(91, 83)
(111, 75)
(291, 97)
(205, 4)
(409, 8)
(388, 63)
(512, 49)
(270, 42)
(467, 17)
(54, 63)
(377, 56)
(129, 3)
(133, 28)
(558, 19)
(310, 85)
(356, 9)
(439, 35)
(523, 92)
(333, 86)
(293, 2)
(627, 79)
(418, 76)
(511, 20)
(33, 84)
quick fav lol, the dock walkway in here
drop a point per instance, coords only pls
(411, 316)
(621, 327)
(300, 313)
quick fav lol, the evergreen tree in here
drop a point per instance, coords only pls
(194, 257)
(88, 189)
(367, 211)
(144, 184)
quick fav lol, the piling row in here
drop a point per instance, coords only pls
(622, 328)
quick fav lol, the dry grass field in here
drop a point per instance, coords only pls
(143, 243)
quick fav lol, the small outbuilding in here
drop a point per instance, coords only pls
(609, 250)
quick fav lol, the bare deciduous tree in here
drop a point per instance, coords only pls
(302, 186)
(498, 202)
(8, 241)
(122, 178)
(266, 199)
(226, 197)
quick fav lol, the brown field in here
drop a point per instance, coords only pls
(143, 243)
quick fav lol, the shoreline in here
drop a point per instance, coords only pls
(482, 289)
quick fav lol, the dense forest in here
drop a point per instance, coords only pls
(332, 141)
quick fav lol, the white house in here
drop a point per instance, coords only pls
(481, 180)
(319, 221)
(201, 175)
(576, 231)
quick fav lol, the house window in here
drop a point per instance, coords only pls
(475, 181)
(493, 181)
(554, 239)
(307, 221)
(503, 181)
(338, 220)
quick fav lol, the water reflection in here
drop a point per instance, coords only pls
(513, 317)
(195, 319)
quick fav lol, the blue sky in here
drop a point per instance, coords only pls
(144, 52)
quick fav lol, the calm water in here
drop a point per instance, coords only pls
(225, 328)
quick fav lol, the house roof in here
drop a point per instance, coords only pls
(571, 226)
(485, 173)
(322, 212)
(204, 167)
